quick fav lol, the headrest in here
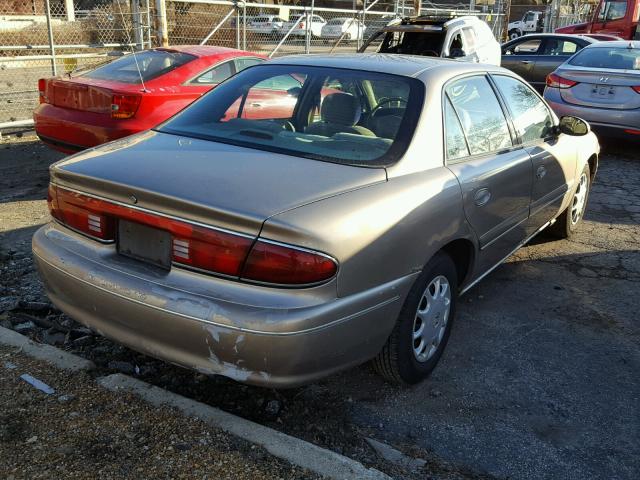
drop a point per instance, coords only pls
(340, 108)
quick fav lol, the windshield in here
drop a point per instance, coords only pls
(602, 57)
(409, 43)
(151, 64)
(343, 116)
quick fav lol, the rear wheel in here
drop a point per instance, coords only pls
(423, 326)
(567, 223)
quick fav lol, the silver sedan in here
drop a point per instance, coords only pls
(600, 84)
(312, 213)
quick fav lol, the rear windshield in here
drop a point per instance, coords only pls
(337, 115)
(409, 43)
(149, 64)
(602, 57)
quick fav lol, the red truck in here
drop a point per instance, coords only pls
(612, 17)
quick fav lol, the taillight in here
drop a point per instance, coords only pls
(195, 246)
(287, 265)
(42, 90)
(637, 89)
(124, 106)
(556, 81)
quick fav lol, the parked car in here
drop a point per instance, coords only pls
(345, 28)
(279, 250)
(130, 94)
(533, 57)
(266, 25)
(300, 30)
(603, 37)
(602, 85)
(463, 38)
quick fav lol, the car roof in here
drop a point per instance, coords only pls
(616, 44)
(405, 65)
(203, 50)
(568, 36)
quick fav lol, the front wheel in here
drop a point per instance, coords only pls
(567, 223)
(423, 326)
(513, 34)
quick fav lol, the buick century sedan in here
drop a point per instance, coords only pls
(279, 249)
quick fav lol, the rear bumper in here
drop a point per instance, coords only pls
(257, 335)
(607, 122)
(74, 130)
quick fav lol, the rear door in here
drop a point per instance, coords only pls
(520, 56)
(553, 156)
(495, 174)
(552, 53)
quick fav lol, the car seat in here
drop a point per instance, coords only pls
(339, 113)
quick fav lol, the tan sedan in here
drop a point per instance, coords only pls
(310, 214)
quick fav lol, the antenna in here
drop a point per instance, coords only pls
(135, 59)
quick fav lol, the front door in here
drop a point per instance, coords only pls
(520, 56)
(495, 174)
(553, 156)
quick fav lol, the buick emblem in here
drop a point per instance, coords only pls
(133, 199)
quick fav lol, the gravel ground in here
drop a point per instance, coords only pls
(83, 431)
(540, 378)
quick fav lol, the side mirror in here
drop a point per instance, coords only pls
(574, 126)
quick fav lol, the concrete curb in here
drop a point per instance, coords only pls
(54, 356)
(294, 450)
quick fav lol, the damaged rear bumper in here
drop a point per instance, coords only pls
(253, 334)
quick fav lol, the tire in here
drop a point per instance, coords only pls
(567, 222)
(513, 34)
(401, 361)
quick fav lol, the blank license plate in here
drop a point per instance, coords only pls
(144, 243)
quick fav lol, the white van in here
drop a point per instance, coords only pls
(463, 38)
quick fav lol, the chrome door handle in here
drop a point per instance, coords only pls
(541, 172)
(257, 105)
(526, 62)
(482, 197)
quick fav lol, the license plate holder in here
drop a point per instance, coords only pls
(147, 244)
(604, 90)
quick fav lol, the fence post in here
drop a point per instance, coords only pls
(69, 11)
(244, 25)
(136, 19)
(52, 47)
(161, 23)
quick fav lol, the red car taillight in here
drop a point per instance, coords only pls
(124, 106)
(42, 90)
(556, 81)
(199, 247)
(637, 89)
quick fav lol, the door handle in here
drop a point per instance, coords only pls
(482, 197)
(541, 172)
(257, 105)
(526, 62)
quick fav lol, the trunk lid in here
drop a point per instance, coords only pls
(601, 88)
(203, 181)
(83, 94)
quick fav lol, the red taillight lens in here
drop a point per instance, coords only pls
(195, 246)
(124, 106)
(284, 265)
(42, 90)
(556, 81)
(637, 89)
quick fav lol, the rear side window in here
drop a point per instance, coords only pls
(148, 64)
(244, 62)
(603, 57)
(456, 144)
(530, 115)
(480, 114)
(217, 74)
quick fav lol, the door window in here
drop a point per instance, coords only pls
(217, 74)
(560, 48)
(456, 47)
(482, 118)
(244, 62)
(527, 47)
(531, 117)
(469, 39)
(456, 145)
(612, 10)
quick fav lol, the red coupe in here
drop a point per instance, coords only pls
(130, 94)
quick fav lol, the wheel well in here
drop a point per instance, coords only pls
(461, 252)
(593, 166)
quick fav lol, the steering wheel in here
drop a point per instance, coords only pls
(384, 101)
(288, 126)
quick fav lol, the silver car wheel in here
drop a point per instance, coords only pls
(579, 199)
(431, 318)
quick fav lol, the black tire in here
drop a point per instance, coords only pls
(513, 34)
(565, 225)
(397, 361)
